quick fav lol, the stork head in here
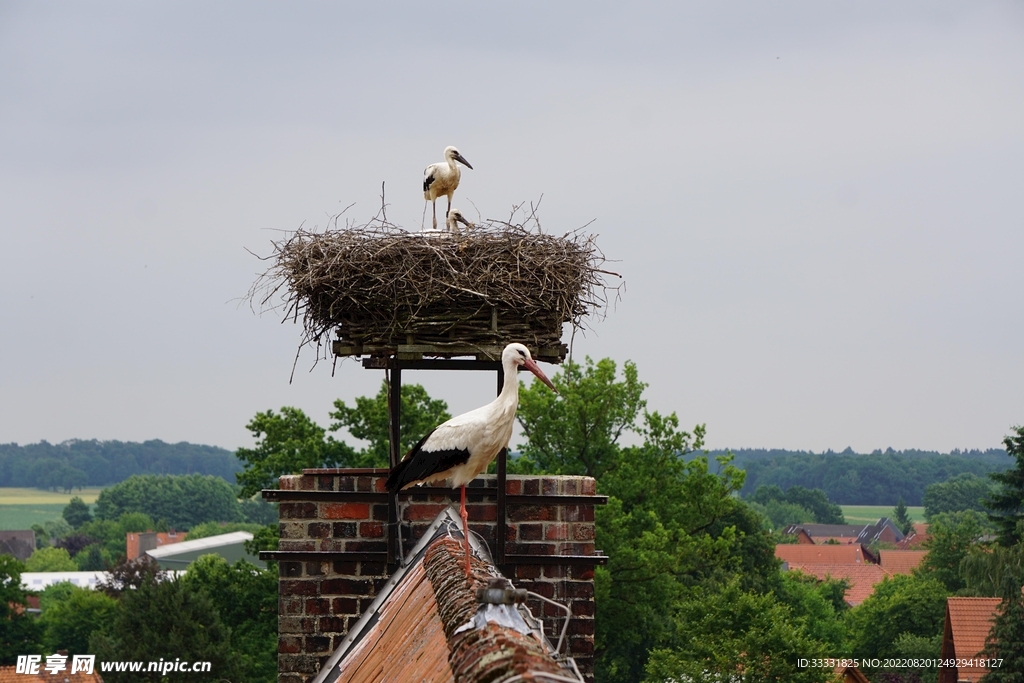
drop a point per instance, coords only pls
(452, 153)
(519, 355)
(454, 218)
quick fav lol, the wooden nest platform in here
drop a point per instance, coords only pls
(382, 291)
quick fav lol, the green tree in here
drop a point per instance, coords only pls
(76, 513)
(50, 560)
(898, 605)
(255, 510)
(182, 501)
(245, 597)
(70, 621)
(368, 420)
(952, 537)
(965, 491)
(290, 441)
(819, 605)
(110, 537)
(286, 443)
(671, 524)
(1007, 504)
(50, 531)
(732, 635)
(902, 518)
(55, 593)
(781, 514)
(988, 570)
(921, 648)
(814, 501)
(752, 554)
(267, 538)
(165, 619)
(1006, 640)
(19, 633)
(578, 430)
(91, 559)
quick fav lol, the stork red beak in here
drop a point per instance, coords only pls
(532, 366)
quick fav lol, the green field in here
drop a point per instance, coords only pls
(869, 514)
(21, 508)
(24, 516)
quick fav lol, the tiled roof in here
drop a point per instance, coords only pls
(8, 675)
(915, 538)
(429, 626)
(820, 554)
(970, 620)
(20, 543)
(409, 625)
(901, 561)
(861, 533)
(862, 577)
(827, 530)
(851, 674)
(873, 531)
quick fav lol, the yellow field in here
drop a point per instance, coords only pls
(12, 496)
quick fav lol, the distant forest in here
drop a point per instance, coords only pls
(848, 478)
(878, 478)
(75, 463)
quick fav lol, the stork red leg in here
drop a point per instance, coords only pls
(465, 528)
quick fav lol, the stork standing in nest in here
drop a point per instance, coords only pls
(442, 178)
(461, 448)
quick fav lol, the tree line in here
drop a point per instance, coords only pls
(79, 463)
(879, 478)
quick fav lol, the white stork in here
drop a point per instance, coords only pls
(454, 218)
(442, 178)
(463, 447)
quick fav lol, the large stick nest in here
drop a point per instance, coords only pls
(376, 285)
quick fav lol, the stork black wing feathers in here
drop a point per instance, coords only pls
(427, 180)
(419, 464)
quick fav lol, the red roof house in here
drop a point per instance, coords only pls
(821, 554)
(851, 674)
(900, 561)
(862, 577)
(968, 622)
(915, 539)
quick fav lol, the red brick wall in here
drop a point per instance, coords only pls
(320, 601)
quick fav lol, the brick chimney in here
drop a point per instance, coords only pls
(334, 541)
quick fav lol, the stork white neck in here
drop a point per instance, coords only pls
(510, 387)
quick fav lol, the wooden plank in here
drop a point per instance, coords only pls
(416, 351)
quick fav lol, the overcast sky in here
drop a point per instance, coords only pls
(818, 207)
